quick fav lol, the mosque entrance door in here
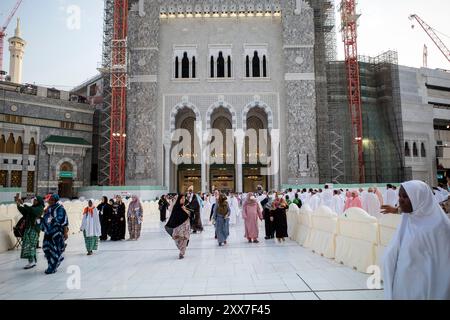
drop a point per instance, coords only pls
(65, 188)
(222, 178)
(253, 178)
(189, 175)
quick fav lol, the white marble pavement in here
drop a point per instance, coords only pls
(150, 269)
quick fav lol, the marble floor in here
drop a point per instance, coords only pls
(150, 269)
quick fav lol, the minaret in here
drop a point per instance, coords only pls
(16, 49)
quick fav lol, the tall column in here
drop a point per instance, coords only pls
(25, 157)
(204, 174)
(8, 179)
(167, 166)
(239, 138)
(275, 168)
(204, 162)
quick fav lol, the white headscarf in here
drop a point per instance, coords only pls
(416, 262)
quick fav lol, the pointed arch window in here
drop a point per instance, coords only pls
(407, 150)
(220, 61)
(423, 151)
(193, 67)
(10, 144)
(220, 65)
(212, 67)
(2, 144)
(264, 66)
(247, 67)
(415, 151)
(32, 147)
(177, 67)
(256, 65)
(185, 66)
(19, 146)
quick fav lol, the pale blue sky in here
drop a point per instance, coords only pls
(59, 56)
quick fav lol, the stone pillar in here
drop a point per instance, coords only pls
(239, 138)
(205, 161)
(167, 165)
(275, 167)
(25, 157)
(203, 172)
(300, 89)
(144, 148)
(8, 178)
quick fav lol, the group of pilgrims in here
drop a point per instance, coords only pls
(49, 216)
(415, 264)
(189, 213)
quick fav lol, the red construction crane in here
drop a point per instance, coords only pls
(430, 31)
(119, 94)
(349, 34)
(3, 35)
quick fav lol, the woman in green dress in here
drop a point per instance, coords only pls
(31, 235)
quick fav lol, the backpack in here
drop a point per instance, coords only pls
(19, 229)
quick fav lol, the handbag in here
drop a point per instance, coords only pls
(19, 229)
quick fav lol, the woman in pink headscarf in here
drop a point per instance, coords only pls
(348, 200)
(251, 211)
(355, 201)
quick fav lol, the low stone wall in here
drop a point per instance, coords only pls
(145, 193)
(7, 195)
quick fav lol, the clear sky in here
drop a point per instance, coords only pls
(58, 53)
(63, 53)
(384, 25)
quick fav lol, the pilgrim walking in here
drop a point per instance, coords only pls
(135, 216)
(221, 216)
(179, 226)
(251, 212)
(53, 223)
(91, 227)
(30, 237)
(194, 205)
(118, 220)
(105, 212)
(279, 207)
(162, 206)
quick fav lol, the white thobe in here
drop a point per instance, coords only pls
(373, 205)
(391, 197)
(337, 204)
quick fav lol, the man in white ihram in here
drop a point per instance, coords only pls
(372, 204)
(391, 197)
(327, 197)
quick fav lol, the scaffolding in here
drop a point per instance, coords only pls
(381, 120)
(324, 52)
(105, 114)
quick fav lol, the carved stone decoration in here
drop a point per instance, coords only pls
(142, 124)
(301, 142)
